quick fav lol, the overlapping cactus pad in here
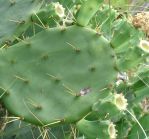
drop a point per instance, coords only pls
(15, 16)
(56, 75)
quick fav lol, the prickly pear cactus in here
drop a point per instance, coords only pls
(46, 60)
(84, 68)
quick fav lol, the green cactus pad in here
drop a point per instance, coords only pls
(57, 75)
(28, 131)
(15, 16)
(94, 129)
(140, 85)
(103, 20)
(125, 41)
(107, 110)
(19, 131)
(87, 11)
(123, 127)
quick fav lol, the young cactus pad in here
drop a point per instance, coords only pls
(57, 75)
(97, 129)
(87, 10)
